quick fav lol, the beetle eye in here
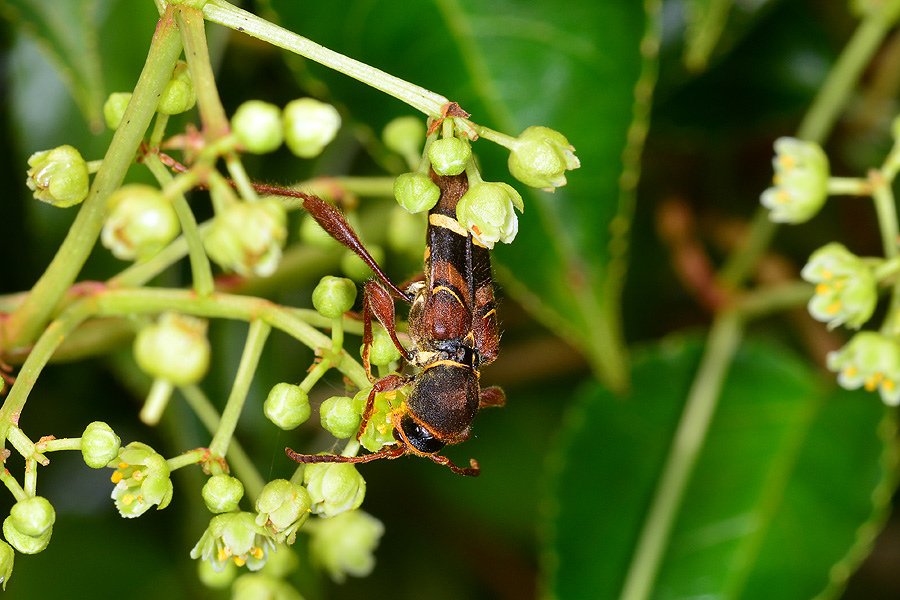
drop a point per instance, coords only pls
(419, 437)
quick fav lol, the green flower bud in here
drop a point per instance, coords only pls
(869, 360)
(58, 176)
(540, 157)
(846, 290)
(30, 524)
(801, 181)
(178, 96)
(99, 445)
(175, 349)
(345, 545)
(256, 586)
(486, 210)
(247, 237)
(382, 351)
(114, 108)
(22, 542)
(257, 126)
(217, 580)
(380, 429)
(287, 405)
(282, 507)
(32, 516)
(406, 232)
(353, 267)
(334, 487)
(140, 222)
(416, 192)
(142, 480)
(404, 135)
(222, 493)
(449, 156)
(309, 125)
(234, 537)
(334, 296)
(339, 417)
(312, 233)
(7, 558)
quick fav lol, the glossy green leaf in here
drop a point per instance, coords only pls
(586, 70)
(67, 31)
(790, 488)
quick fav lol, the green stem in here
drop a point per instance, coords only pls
(30, 479)
(156, 402)
(256, 340)
(191, 457)
(12, 485)
(59, 444)
(699, 409)
(886, 210)
(237, 458)
(196, 52)
(24, 325)
(849, 186)
(223, 13)
(200, 268)
(23, 444)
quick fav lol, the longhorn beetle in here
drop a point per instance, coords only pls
(454, 331)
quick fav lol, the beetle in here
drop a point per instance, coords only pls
(453, 326)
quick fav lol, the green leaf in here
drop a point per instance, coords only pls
(586, 70)
(793, 482)
(67, 32)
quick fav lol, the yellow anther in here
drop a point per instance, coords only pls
(123, 465)
(127, 499)
(256, 552)
(239, 561)
(786, 162)
(783, 196)
(223, 553)
(823, 289)
(117, 476)
(139, 475)
(833, 308)
(871, 384)
(851, 371)
(888, 385)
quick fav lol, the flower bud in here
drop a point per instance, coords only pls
(140, 222)
(7, 558)
(449, 156)
(217, 580)
(247, 237)
(114, 108)
(26, 544)
(540, 157)
(257, 126)
(222, 493)
(282, 507)
(58, 176)
(287, 406)
(256, 586)
(33, 516)
(339, 417)
(486, 210)
(99, 445)
(334, 296)
(235, 537)
(869, 360)
(382, 352)
(334, 487)
(380, 429)
(178, 96)
(416, 192)
(312, 233)
(846, 290)
(142, 480)
(404, 135)
(30, 524)
(353, 267)
(309, 125)
(175, 349)
(345, 544)
(801, 181)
